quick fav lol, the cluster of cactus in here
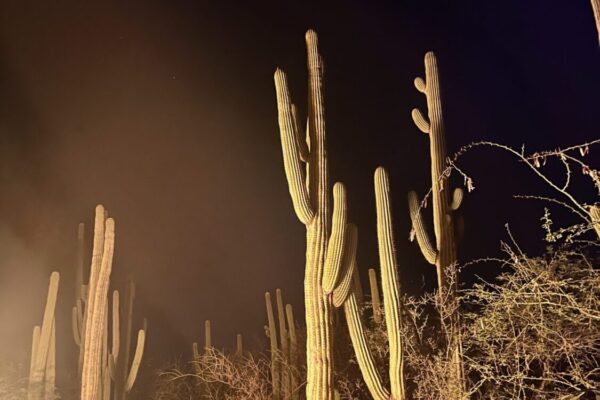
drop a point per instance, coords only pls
(104, 365)
(330, 254)
(285, 379)
(42, 370)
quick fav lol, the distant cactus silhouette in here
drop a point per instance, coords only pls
(43, 367)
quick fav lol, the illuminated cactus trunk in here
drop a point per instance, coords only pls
(391, 304)
(42, 370)
(310, 197)
(104, 237)
(442, 252)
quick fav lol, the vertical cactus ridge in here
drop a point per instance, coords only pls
(364, 357)
(275, 376)
(375, 298)
(124, 354)
(343, 288)
(390, 283)
(427, 248)
(291, 153)
(93, 344)
(302, 145)
(337, 241)
(137, 360)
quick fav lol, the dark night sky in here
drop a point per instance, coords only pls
(165, 112)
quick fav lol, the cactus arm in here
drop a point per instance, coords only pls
(291, 153)
(427, 248)
(457, 198)
(289, 313)
(50, 374)
(275, 381)
(420, 84)
(420, 121)
(390, 283)
(116, 329)
(363, 353)
(239, 345)
(357, 286)
(36, 378)
(342, 290)
(137, 360)
(90, 381)
(375, 298)
(75, 326)
(336, 246)
(283, 340)
(34, 347)
(207, 336)
(302, 145)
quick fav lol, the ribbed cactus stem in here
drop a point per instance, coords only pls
(284, 346)
(50, 373)
(124, 356)
(35, 389)
(137, 360)
(35, 342)
(310, 197)
(98, 308)
(390, 283)
(364, 357)
(375, 299)
(344, 286)
(275, 370)
(239, 345)
(443, 255)
(294, 372)
(207, 336)
(337, 241)
(116, 326)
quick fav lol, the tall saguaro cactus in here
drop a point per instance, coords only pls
(391, 305)
(42, 372)
(310, 196)
(104, 239)
(442, 251)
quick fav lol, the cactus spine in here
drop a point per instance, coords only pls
(310, 198)
(42, 373)
(442, 252)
